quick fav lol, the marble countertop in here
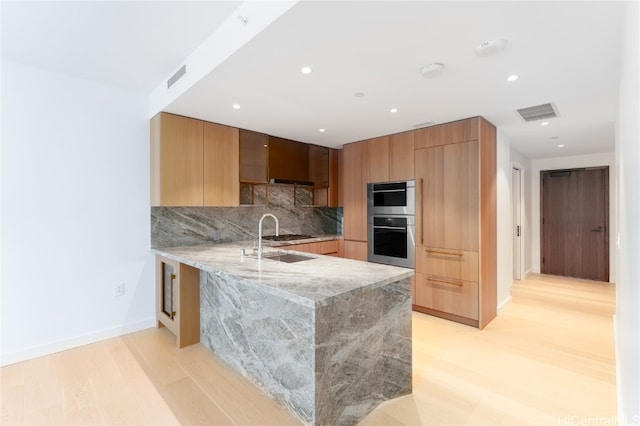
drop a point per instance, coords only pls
(312, 282)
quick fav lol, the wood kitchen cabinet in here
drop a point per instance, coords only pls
(254, 156)
(454, 132)
(401, 156)
(318, 166)
(330, 247)
(390, 158)
(177, 170)
(354, 187)
(288, 160)
(378, 159)
(324, 164)
(193, 163)
(221, 165)
(456, 266)
(178, 300)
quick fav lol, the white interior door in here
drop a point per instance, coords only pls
(516, 202)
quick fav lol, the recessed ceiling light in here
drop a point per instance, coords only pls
(561, 146)
(322, 130)
(359, 94)
(306, 70)
(236, 106)
(544, 123)
(513, 77)
(432, 70)
(393, 110)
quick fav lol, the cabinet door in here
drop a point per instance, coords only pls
(288, 160)
(319, 166)
(448, 187)
(378, 159)
(253, 156)
(176, 161)
(401, 152)
(448, 133)
(221, 165)
(354, 184)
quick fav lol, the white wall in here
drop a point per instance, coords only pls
(628, 282)
(592, 160)
(75, 213)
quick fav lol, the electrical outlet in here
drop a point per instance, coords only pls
(118, 289)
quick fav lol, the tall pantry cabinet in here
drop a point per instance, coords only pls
(456, 266)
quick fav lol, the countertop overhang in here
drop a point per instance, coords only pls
(312, 282)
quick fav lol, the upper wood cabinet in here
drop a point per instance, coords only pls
(378, 159)
(319, 166)
(254, 156)
(390, 158)
(442, 134)
(193, 163)
(401, 152)
(221, 165)
(288, 160)
(177, 170)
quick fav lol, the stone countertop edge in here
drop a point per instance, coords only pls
(312, 283)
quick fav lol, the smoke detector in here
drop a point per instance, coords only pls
(491, 47)
(432, 70)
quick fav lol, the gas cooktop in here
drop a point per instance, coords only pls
(286, 237)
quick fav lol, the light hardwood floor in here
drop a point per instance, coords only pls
(548, 359)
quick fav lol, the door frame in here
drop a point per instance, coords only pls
(517, 206)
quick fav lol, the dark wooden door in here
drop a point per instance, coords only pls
(575, 223)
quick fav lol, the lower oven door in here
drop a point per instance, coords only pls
(392, 240)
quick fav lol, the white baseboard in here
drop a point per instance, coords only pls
(73, 342)
(504, 303)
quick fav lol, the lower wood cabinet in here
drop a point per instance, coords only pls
(356, 250)
(330, 248)
(452, 298)
(178, 300)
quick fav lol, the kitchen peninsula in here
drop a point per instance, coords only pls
(328, 338)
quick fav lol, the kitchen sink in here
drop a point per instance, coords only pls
(283, 256)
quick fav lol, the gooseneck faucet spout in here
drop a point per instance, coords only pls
(260, 231)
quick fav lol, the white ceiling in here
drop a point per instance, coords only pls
(564, 52)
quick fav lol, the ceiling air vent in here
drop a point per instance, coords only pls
(182, 71)
(538, 112)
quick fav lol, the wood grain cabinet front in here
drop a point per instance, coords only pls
(456, 265)
(178, 300)
(330, 247)
(193, 163)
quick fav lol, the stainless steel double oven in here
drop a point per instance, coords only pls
(391, 223)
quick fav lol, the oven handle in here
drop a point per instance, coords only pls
(388, 190)
(390, 227)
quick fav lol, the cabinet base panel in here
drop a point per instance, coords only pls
(445, 315)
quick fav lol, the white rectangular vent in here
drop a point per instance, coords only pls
(182, 71)
(538, 112)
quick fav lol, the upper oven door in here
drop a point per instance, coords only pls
(391, 198)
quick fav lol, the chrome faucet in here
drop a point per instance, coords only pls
(260, 231)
